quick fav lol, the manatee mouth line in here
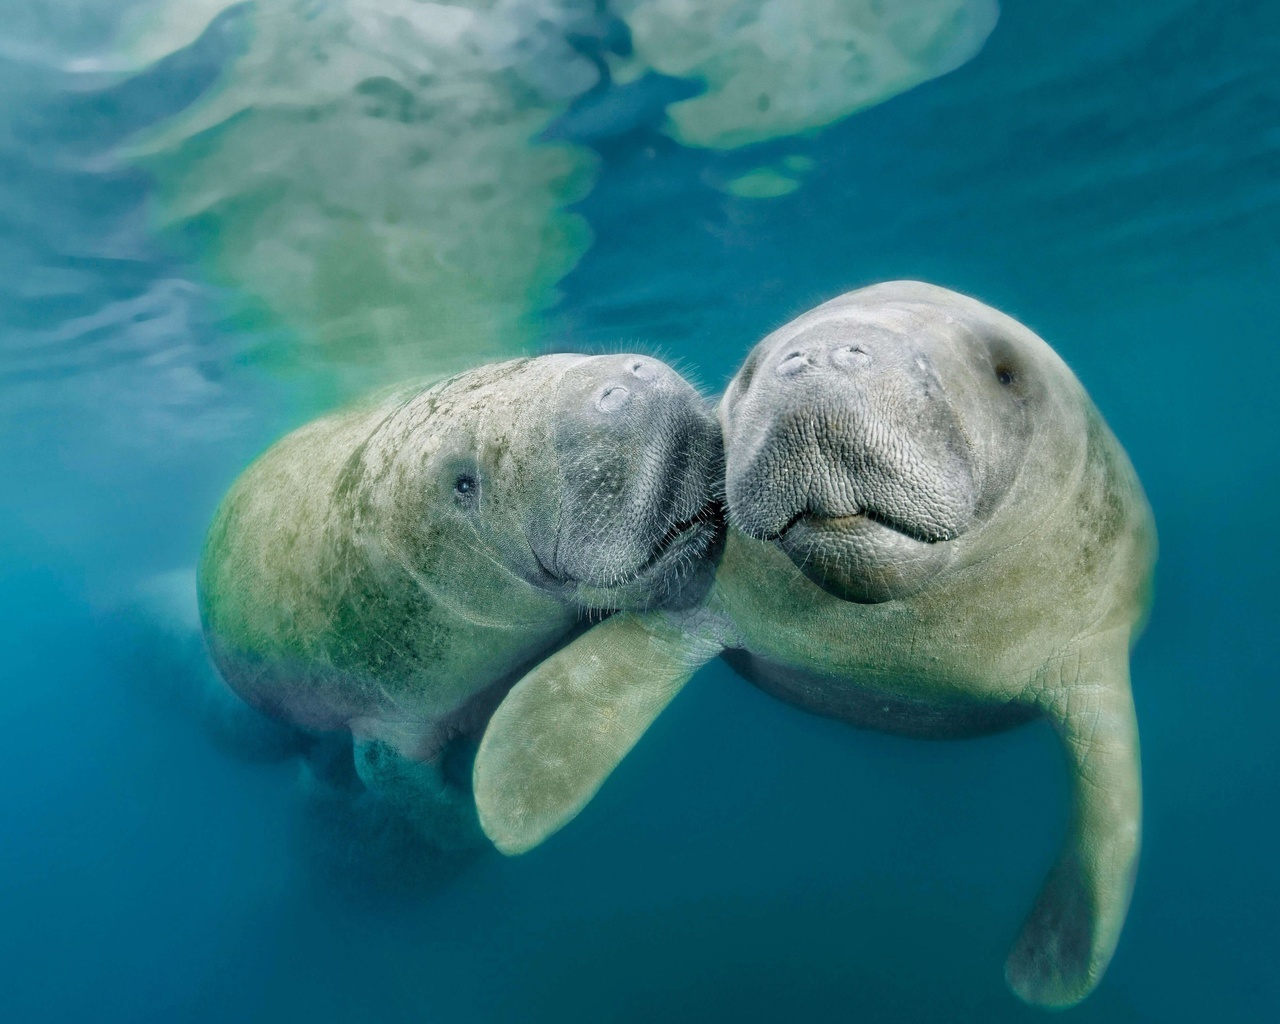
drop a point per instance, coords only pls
(707, 520)
(712, 514)
(547, 574)
(868, 515)
(676, 543)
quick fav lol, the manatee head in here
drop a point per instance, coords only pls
(592, 478)
(872, 435)
(639, 462)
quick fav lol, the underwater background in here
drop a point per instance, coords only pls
(217, 220)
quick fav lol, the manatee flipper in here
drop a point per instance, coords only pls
(569, 722)
(442, 813)
(1073, 928)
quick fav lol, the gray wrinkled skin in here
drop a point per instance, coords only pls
(637, 464)
(865, 440)
(392, 569)
(932, 532)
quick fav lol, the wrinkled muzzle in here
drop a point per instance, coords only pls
(640, 461)
(841, 445)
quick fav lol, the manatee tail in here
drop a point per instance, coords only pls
(566, 725)
(1072, 931)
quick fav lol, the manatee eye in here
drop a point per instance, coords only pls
(1004, 375)
(465, 484)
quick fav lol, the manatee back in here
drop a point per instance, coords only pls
(269, 570)
(1116, 551)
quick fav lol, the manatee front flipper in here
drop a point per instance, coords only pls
(568, 723)
(441, 813)
(1072, 931)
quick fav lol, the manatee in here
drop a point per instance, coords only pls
(389, 571)
(932, 532)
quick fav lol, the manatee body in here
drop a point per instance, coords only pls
(933, 532)
(391, 570)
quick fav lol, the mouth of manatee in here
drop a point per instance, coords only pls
(858, 552)
(683, 544)
(685, 541)
(688, 537)
(801, 479)
(837, 521)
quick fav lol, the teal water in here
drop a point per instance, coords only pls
(1110, 177)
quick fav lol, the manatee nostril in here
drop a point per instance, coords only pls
(613, 398)
(850, 357)
(641, 369)
(792, 363)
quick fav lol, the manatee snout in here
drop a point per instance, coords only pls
(842, 443)
(641, 465)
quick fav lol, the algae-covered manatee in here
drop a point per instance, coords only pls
(391, 570)
(932, 532)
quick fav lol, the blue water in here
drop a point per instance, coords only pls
(1110, 176)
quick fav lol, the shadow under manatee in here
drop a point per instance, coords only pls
(356, 845)
(350, 841)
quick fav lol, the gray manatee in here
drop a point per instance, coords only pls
(933, 532)
(392, 569)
